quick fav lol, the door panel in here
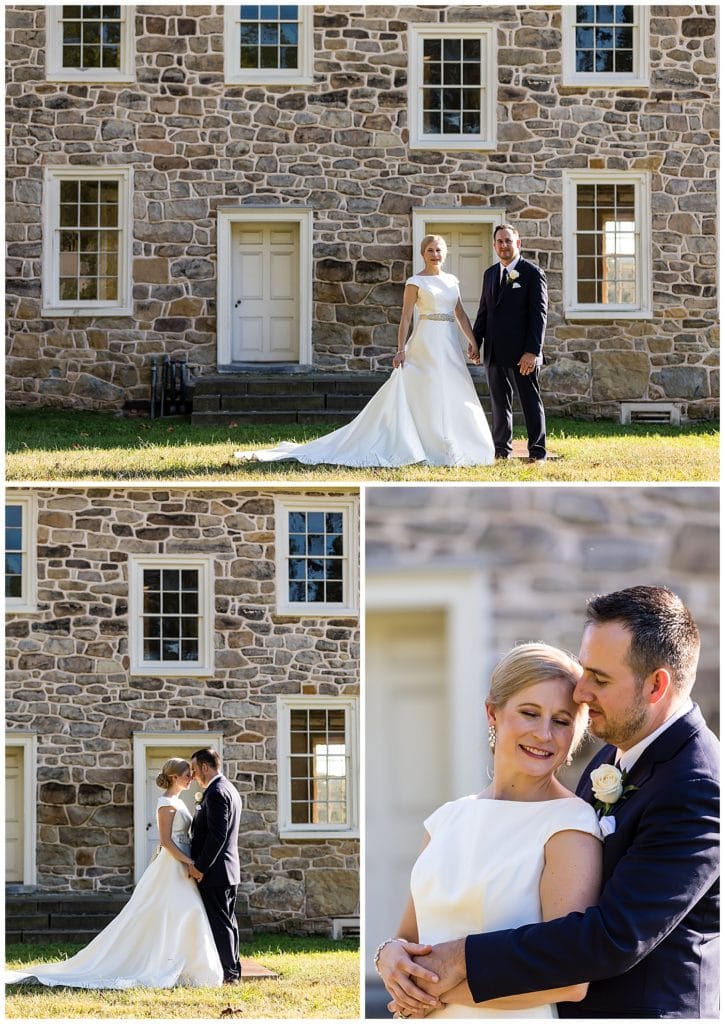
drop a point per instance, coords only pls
(470, 252)
(264, 295)
(14, 821)
(156, 757)
(409, 760)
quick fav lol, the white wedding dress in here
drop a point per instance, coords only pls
(427, 410)
(481, 872)
(161, 938)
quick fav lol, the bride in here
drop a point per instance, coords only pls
(523, 850)
(428, 409)
(162, 936)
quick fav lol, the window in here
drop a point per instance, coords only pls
(453, 82)
(86, 254)
(90, 43)
(268, 43)
(607, 244)
(605, 44)
(20, 553)
(317, 755)
(316, 556)
(171, 618)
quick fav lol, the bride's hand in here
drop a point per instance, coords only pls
(400, 1013)
(473, 353)
(397, 970)
(398, 359)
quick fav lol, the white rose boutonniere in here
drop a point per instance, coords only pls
(609, 786)
(514, 275)
(198, 797)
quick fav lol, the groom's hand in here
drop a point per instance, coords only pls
(448, 961)
(473, 353)
(397, 970)
(527, 364)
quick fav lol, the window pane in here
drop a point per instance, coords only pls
(606, 244)
(171, 614)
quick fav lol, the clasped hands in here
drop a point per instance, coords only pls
(195, 873)
(418, 976)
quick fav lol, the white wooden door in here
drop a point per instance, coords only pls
(14, 821)
(470, 252)
(265, 306)
(409, 763)
(155, 759)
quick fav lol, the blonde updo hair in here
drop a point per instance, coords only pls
(427, 239)
(174, 767)
(527, 664)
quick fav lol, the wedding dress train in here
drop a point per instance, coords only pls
(161, 938)
(427, 410)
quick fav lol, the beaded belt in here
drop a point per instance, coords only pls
(438, 316)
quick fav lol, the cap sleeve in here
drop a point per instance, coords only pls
(413, 280)
(576, 815)
(439, 817)
(165, 801)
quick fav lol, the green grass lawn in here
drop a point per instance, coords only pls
(45, 444)
(318, 978)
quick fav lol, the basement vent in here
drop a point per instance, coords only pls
(650, 412)
(346, 927)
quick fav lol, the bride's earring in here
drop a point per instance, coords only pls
(569, 761)
(492, 737)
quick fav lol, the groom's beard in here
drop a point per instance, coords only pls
(621, 727)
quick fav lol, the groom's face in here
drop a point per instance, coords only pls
(618, 710)
(507, 245)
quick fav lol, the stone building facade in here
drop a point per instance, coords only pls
(263, 202)
(147, 623)
(455, 577)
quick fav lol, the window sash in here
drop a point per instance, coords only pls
(305, 793)
(256, 47)
(85, 46)
(582, 36)
(166, 636)
(87, 255)
(20, 554)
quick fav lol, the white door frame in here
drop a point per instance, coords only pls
(28, 743)
(446, 215)
(461, 594)
(141, 742)
(226, 218)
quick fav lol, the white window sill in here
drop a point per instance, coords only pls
(303, 832)
(77, 309)
(322, 610)
(15, 609)
(92, 76)
(607, 313)
(267, 78)
(453, 142)
(592, 80)
(158, 669)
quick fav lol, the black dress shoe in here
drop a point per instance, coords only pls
(502, 455)
(232, 981)
(536, 458)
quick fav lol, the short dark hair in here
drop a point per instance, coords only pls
(503, 227)
(664, 634)
(208, 756)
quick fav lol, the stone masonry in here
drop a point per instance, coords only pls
(543, 553)
(68, 681)
(341, 147)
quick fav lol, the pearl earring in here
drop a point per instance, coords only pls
(492, 737)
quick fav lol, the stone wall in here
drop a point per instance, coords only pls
(544, 552)
(68, 682)
(340, 146)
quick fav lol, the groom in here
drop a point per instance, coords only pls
(649, 948)
(510, 324)
(214, 849)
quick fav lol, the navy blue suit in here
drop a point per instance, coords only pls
(650, 947)
(215, 852)
(511, 320)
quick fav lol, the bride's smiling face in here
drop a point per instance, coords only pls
(535, 728)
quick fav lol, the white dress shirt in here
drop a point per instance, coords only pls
(509, 268)
(627, 759)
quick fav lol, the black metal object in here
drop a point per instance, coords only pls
(170, 395)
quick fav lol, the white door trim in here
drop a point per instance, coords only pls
(141, 742)
(228, 216)
(461, 594)
(445, 215)
(27, 742)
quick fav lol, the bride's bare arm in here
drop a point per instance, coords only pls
(465, 325)
(563, 889)
(165, 817)
(409, 298)
(395, 966)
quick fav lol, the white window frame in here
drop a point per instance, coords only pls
(486, 139)
(28, 601)
(204, 667)
(28, 743)
(305, 830)
(235, 75)
(619, 79)
(348, 505)
(642, 308)
(53, 305)
(54, 70)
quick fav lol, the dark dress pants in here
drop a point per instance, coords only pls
(219, 904)
(501, 380)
